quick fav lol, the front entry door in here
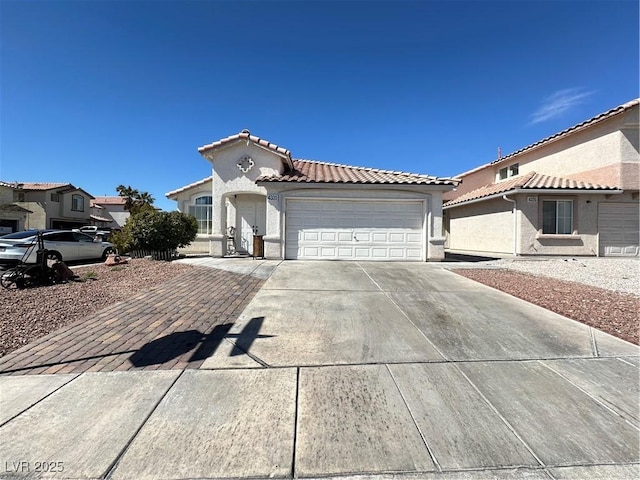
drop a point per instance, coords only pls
(251, 220)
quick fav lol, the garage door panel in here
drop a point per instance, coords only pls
(383, 237)
(328, 237)
(618, 227)
(353, 229)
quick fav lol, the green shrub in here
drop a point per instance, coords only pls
(160, 231)
(121, 241)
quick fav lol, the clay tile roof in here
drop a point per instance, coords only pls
(528, 181)
(307, 171)
(556, 136)
(42, 185)
(112, 200)
(187, 187)
(245, 134)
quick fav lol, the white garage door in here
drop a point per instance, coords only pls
(618, 225)
(354, 230)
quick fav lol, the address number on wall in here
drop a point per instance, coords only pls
(272, 197)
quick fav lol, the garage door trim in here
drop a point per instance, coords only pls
(388, 250)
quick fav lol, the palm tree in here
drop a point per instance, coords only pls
(129, 194)
(135, 200)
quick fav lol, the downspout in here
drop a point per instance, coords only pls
(515, 224)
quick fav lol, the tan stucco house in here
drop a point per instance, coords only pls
(13, 217)
(109, 212)
(305, 209)
(573, 193)
(45, 205)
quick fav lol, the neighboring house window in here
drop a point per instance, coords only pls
(77, 203)
(510, 171)
(55, 197)
(557, 217)
(202, 211)
(18, 196)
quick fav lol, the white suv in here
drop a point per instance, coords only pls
(63, 245)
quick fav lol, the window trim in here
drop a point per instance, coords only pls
(74, 197)
(574, 218)
(208, 221)
(508, 171)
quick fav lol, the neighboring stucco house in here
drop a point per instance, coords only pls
(311, 210)
(573, 193)
(51, 205)
(13, 217)
(109, 212)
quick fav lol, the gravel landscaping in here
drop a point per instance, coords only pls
(29, 314)
(602, 293)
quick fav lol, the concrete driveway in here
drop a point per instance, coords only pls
(383, 370)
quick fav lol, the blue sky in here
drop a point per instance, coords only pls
(99, 93)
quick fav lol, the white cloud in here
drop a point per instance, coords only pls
(558, 103)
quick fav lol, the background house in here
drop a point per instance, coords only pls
(48, 205)
(109, 212)
(573, 193)
(13, 217)
(311, 210)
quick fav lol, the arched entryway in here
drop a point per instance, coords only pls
(246, 213)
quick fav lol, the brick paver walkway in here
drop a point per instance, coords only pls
(176, 324)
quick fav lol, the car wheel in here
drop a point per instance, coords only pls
(10, 279)
(107, 252)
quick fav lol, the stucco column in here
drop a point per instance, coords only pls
(435, 249)
(273, 236)
(217, 246)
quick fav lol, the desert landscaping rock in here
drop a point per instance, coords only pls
(26, 315)
(613, 312)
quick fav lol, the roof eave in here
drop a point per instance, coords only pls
(207, 150)
(433, 186)
(543, 191)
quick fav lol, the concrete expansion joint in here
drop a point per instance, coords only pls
(295, 425)
(415, 422)
(41, 400)
(504, 420)
(592, 397)
(116, 461)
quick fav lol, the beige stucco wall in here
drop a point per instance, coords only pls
(276, 209)
(604, 153)
(63, 211)
(583, 241)
(229, 180)
(6, 195)
(185, 198)
(38, 217)
(6, 198)
(484, 227)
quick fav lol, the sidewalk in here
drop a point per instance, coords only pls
(359, 371)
